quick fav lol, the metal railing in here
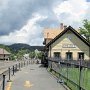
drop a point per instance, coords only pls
(11, 72)
(74, 73)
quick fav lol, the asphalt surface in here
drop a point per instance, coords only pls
(33, 77)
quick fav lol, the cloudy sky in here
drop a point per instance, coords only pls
(23, 21)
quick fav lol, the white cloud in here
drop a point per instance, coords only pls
(71, 11)
(88, 11)
(29, 33)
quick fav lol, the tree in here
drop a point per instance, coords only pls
(21, 53)
(85, 30)
(39, 55)
(35, 54)
(5, 47)
(12, 57)
(32, 54)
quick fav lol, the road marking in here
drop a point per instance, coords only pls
(28, 84)
(9, 86)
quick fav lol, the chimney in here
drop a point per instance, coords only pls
(65, 26)
(61, 26)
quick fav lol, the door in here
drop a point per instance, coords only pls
(81, 55)
(69, 56)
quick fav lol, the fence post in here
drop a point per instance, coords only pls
(27, 63)
(51, 66)
(16, 67)
(67, 72)
(67, 68)
(9, 75)
(3, 85)
(19, 66)
(80, 72)
(24, 63)
(13, 70)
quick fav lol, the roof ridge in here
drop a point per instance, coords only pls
(64, 31)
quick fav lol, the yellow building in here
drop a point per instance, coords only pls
(68, 44)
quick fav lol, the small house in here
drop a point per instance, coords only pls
(4, 54)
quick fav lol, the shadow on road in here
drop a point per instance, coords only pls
(41, 66)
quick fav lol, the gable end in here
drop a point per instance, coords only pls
(64, 31)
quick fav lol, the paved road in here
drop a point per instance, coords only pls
(33, 77)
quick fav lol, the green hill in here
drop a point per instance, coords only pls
(18, 46)
(14, 48)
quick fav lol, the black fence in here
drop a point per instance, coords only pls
(74, 73)
(10, 72)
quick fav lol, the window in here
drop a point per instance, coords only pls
(57, 54)
(81, 55)
(69, 37)
(69, 56)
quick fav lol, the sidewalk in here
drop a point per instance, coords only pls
(33, 77)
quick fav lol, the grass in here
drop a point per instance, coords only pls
(73, 75)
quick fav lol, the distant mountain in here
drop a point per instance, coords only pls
(40, 48)
(18, 46)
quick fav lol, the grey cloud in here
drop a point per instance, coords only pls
(49, 23)
(14, 17)
(17, 12)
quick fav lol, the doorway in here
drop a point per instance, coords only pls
(69, 56)
(81, 55)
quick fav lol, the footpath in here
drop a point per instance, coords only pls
(33, 77)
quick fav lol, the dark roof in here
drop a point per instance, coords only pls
(69, 28)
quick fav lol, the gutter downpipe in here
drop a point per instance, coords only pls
(50, 51)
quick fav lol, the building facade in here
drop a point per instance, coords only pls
(68, 45)
(4, 54)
